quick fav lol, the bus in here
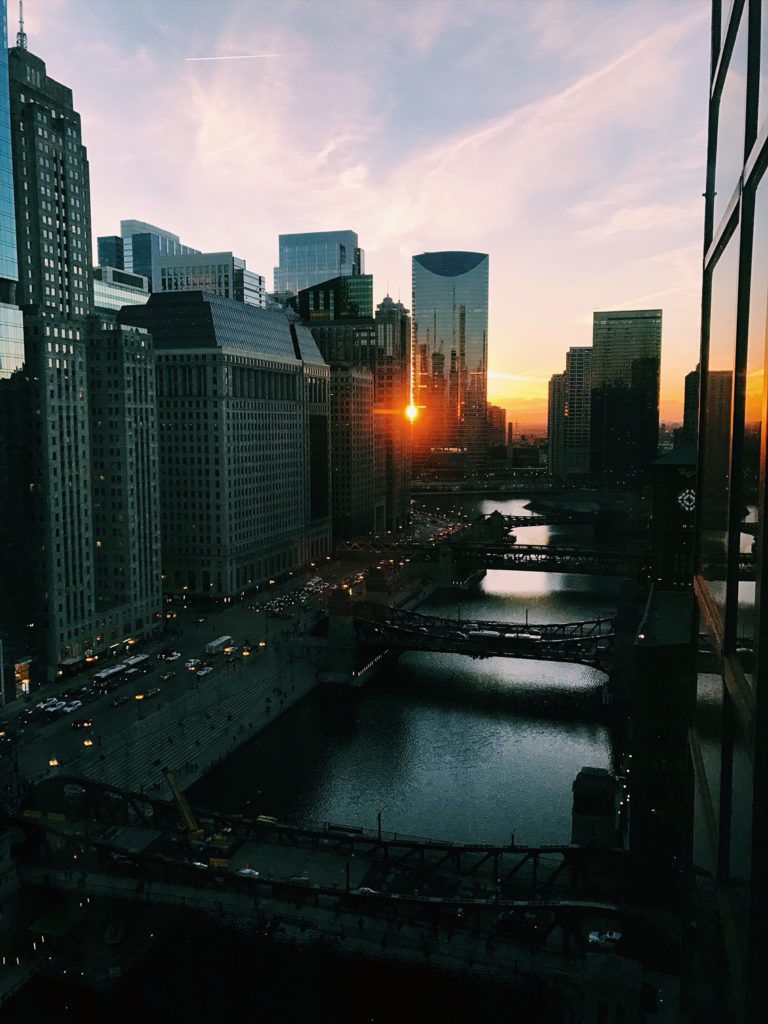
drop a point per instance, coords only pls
(140, 662)
(108, 675)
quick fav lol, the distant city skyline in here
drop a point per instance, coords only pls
(568, 144)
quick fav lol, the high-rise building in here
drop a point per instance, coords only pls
(728, 732)
(450, 356)
(53, 412)
(342, 298)
(688, 433)
(113, 289)
(243, 404)
(497, 426)
(338, 313)
(314, 256)
(392, 394)
(353, 472)
(578, 401)
(568, 416)
(124, 476)
(556, 455)
(138, 247)
(624, 415)
(220, 273)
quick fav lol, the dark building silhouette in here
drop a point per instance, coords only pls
(624, 415)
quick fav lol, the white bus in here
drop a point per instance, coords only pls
(217, 646)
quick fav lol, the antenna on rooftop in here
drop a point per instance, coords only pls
(21, 35)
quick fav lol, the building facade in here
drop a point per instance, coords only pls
(729, 730)
(353, 472)
(138, 247)
(113, 289)
(624, 414)
(311, 257)
(556, 457)
(497, 427)
(243, 402)
(450, 357)
(578, 404)
(221, 273)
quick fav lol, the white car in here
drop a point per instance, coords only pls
(205, 671)
(192, 664)
(74, 705)
(174, 656)
(247, 873)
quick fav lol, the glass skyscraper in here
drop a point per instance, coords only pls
(624, 417)
(315, 256)
(728, 733)
(11, 326)
(450, 354)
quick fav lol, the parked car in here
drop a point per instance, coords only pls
(152, 693)
(74, 705)
(173, 656)
(165, 676)
(205, 671)
(120, 700)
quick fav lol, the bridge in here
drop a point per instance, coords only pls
(587, 642)
(484, 907)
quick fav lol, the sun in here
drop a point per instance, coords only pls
(412, 412)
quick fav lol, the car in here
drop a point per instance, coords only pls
(205, 671)
(119, 701)
(247, 873)
(605, 940)
(83, 723)
(74, 705)
(192, 664)
(152, 693)
(200, 622)
(165, 676)
(174, 656)
(199, 864)
(365, 891)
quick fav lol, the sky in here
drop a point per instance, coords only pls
(566, 138)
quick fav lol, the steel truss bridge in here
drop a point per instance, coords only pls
(86, 837)
(589, 642)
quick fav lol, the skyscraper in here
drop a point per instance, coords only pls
(243, 399)
(728, 732)
(338, 312)
(138, 247)
(61, 401)
(578, 402)
(314, 256)
(450, 356)
(624, 416)
(353, 471)
(556, 455)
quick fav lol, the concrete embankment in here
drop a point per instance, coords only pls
(202, 727)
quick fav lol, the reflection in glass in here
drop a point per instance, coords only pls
(731, 122)
(715, 450)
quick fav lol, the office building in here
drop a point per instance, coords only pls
(342, 298)
(73, 608)
(314, 256)
(497, 427)
(353, 472)
(450, 358)
(556, 455)
(125, 480)
(729, 727)
(578, 401)
(243, 403)
(138, 247)
(624, 414)
(339, 314)
(220, 273)
(392, 396)
(113, 289)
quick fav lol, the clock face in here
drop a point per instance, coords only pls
(687, 500)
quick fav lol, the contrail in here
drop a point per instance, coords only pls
(242, 56)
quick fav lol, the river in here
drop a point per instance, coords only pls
(442, 745)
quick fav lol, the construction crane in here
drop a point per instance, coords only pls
(190, 822)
